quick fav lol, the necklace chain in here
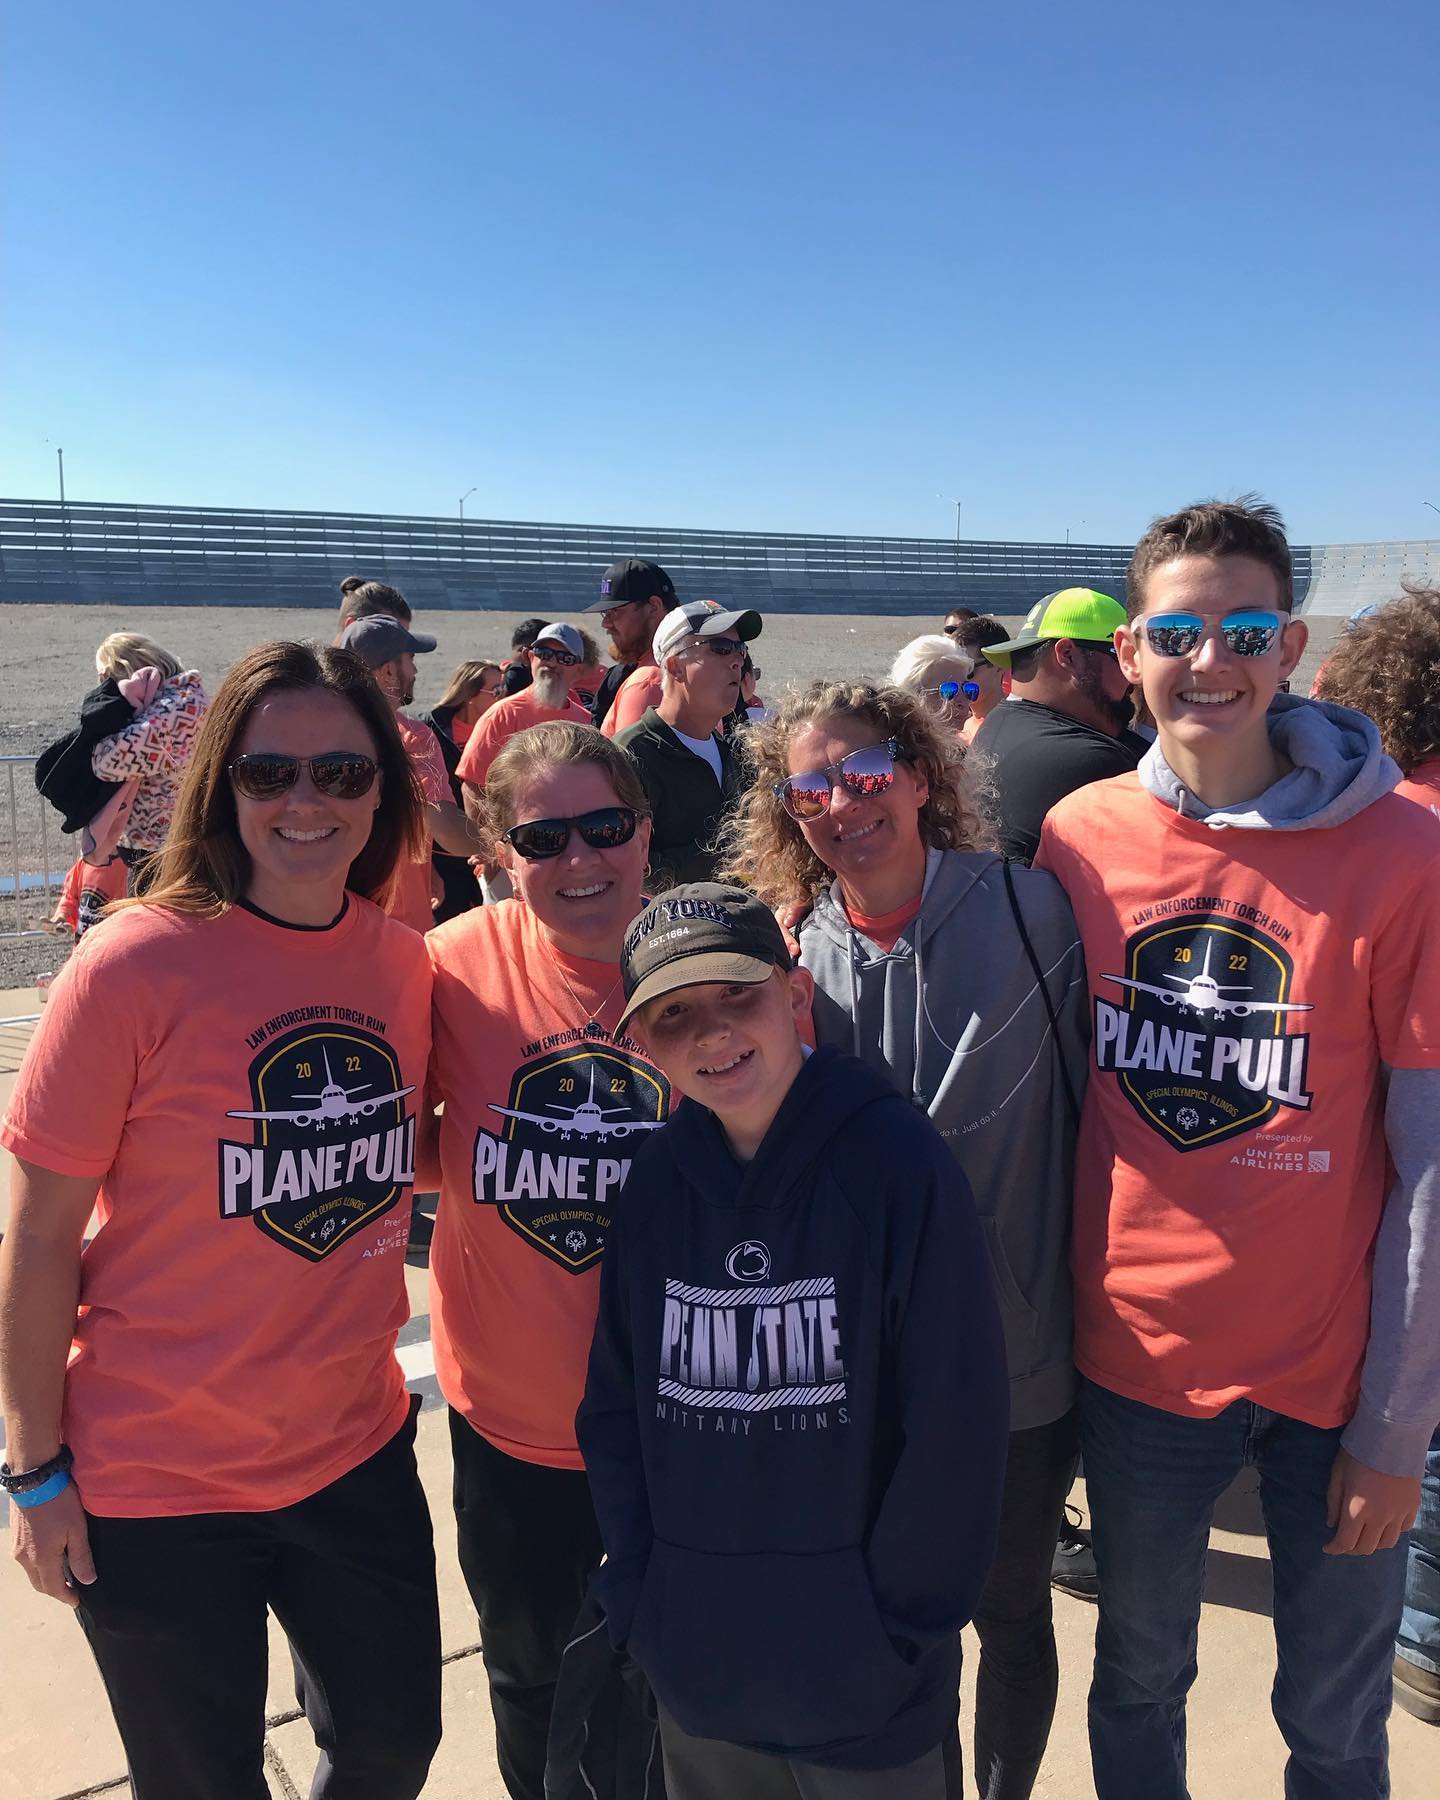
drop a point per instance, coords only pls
(593, 1027)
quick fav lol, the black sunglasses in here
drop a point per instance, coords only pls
(604, 828)
(338, 774)
(722, 646)
(553, 653)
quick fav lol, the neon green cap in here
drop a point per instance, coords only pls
(1075, 612)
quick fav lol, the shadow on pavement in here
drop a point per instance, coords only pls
(1241, 1583)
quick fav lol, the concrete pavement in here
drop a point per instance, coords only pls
(57, 1741)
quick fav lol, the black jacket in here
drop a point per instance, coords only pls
(688, 806)
(795, 1423)
(1037, 756)
(63, 772)
(462, 891)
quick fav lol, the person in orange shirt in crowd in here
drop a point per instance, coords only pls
(1257, 1190)
(388, 649)
(204, 1414)
(635, 596)
(554, 657)
(545, 1102)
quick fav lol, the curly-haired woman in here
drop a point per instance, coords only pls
(1387, 665)
(962, 979)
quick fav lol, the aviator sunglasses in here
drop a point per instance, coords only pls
(864, 773)
(338, 774)
(603, 828)
(947, 690)
(1180, 633)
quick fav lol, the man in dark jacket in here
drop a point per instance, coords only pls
(693, 773)
(1066, 721)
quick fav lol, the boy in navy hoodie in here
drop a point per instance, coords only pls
(796, 1414)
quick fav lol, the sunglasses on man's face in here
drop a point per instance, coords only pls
(722, 646)
(553, 653)
(603, 828)
(338, 774)
(1181, 633)
(864, 773)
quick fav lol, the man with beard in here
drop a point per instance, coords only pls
(1067, 720)
(388, 649)
(634, 597)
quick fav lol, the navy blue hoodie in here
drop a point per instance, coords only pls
(795, 1424)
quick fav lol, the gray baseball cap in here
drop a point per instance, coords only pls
(380, 639)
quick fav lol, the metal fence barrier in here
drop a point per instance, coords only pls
(34, 857)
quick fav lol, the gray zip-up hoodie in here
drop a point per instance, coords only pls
(1340, 769)
(953, 1016)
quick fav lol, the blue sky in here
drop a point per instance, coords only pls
(780, 266)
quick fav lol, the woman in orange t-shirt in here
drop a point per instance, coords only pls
(545, 1104)
(203, 1408)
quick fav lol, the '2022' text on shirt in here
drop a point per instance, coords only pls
(247, 1094)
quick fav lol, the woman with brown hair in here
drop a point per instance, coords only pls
(962, 980)
(1386, 664)
(203, 1410)
(545, 1102)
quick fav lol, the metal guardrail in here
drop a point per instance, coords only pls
(28, 847)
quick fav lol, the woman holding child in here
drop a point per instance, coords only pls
(962, 980)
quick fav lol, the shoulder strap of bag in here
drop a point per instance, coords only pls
(1070, 1100)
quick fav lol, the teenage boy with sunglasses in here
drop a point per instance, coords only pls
(693, 772)
(1257, 1215)
(794, 1422)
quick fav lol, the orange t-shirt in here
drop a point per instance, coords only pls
(1422, 784)
(247, 1094)
(516, 712)
(1231, 1170)
(637, 693)
(541, 1120)
(414, 885)
(884, 929)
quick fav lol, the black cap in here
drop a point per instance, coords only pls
(632, 579)
(697, 933)
(380, 639)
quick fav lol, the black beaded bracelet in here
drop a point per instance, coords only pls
(16, 1482)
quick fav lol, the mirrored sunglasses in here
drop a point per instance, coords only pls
(338, 774)
(947, 690)
(1180, 633)
(864, 773)
(603, 828)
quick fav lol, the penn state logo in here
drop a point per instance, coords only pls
(748, 1261)
(1202, 1033)
(553, 1161)
(332, 1145)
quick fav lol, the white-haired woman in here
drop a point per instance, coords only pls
(935, 672)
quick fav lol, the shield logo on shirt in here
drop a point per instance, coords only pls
(1203, 1030)
(556, 1157)
(332, 1145)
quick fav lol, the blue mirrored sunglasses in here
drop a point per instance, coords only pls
(1180, 633)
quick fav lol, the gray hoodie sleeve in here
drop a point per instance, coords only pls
(1400, 1382)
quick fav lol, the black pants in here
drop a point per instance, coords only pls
(705, 1769)
(1019, 1674)
(176, 1618)
(528, 1546)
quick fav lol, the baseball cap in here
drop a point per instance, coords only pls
(696, 933)
(702, 618)
(1080, 613)
(566, 636)
(380, 639)
(632, 578)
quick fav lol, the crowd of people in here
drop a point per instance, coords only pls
(851, 1116)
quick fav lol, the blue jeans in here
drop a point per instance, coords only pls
(1153, 1479)
(1419, 1639)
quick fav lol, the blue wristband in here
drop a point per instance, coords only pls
(47, 1490)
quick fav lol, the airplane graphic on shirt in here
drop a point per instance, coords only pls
(1203, 994)
(333, 1105)
(588, 1119)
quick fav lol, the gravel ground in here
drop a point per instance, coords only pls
(51, 652)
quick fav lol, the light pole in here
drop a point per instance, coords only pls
(957, 504)
(1431, 504)
(463, 498)
(60, 458)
